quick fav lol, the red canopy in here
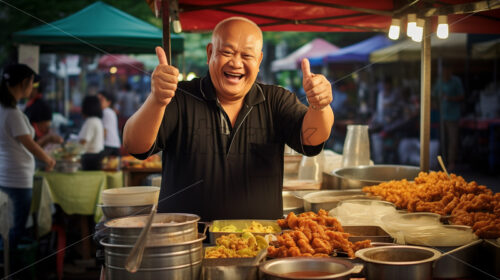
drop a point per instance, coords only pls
(124, 64)
(332, 15)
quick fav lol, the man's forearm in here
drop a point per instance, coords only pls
(317, 125)
(141, 129)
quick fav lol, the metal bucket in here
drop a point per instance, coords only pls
(167, 228)
(175, 261)
(398, 262)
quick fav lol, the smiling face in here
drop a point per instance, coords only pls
(234, 57)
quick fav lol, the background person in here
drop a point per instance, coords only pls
(112, 141)
(226, 130)
(17, 147)
(40, 115)
(91, 135)
(450, 93)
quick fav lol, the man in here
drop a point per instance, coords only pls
(450, 92)
(226, 130)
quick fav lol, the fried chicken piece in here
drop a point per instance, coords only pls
(292, 220)
(321, 246)
(282, 223)
(361, 245)
(320, 255)
(305, 247)
(294, 252)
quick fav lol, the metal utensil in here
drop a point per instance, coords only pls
(134, 259)
(440, 159)
(260, 255)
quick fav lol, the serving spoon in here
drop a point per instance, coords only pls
(440, 159)
(134, 259)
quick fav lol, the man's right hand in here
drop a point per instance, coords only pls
(164, 79)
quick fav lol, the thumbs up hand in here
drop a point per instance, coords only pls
(164, 79)
(318, 89)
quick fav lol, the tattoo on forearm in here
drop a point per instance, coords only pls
(308, 133)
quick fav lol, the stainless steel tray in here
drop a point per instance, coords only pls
(240, 224)
(229, 268)
(373, 233)
(328, 200)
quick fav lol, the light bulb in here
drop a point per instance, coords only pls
(419, 31)
(177, 26)
(394, 29)
(442, 29)
(411, 25)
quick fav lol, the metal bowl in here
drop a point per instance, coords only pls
(368, 175)
(112, 212)
(328, 200)
(292, 203)
(308, 268)
(398, 262)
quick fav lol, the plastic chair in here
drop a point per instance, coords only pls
(61, 249)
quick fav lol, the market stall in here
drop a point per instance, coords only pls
(236, 249)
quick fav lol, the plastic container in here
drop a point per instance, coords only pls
(356, 146)
(311, 168)
(362, 212)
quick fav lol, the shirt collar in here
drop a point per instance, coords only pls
(254, 96)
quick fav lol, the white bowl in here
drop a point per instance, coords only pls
(130, 196)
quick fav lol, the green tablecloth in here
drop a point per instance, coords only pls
(76, 193)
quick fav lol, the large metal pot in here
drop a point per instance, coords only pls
(398, 262)
(308, 268)
(167, 228)
(368, 175)
(328, 200)
(175, 261)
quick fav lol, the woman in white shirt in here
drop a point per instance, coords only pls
(112, 141)
(92, 134)
(18, 147)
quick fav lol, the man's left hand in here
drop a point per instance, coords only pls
(318, 89)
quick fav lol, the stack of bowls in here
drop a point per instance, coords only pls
(128, 201)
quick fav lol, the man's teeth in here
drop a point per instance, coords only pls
(234, 75)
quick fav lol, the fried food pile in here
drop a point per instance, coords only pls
(469, 203)
(232, 246)
(312, 234)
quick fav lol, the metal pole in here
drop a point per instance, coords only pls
(425, 97)
(165, 18)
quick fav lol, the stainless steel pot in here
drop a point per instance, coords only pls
(175, 261)
(167, 228)
(285, 268)
(328, 200)
(292, 203)
(368, 175)
(398, 262)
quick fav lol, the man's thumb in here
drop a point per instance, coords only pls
(306, 68)
(162, 57)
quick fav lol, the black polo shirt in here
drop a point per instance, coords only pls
(241, 167)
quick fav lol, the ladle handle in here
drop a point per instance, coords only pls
(134, 259)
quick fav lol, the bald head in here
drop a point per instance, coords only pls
(234, 57)
(241, 24)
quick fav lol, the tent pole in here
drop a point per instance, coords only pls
(165, 18)
(425, 96)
